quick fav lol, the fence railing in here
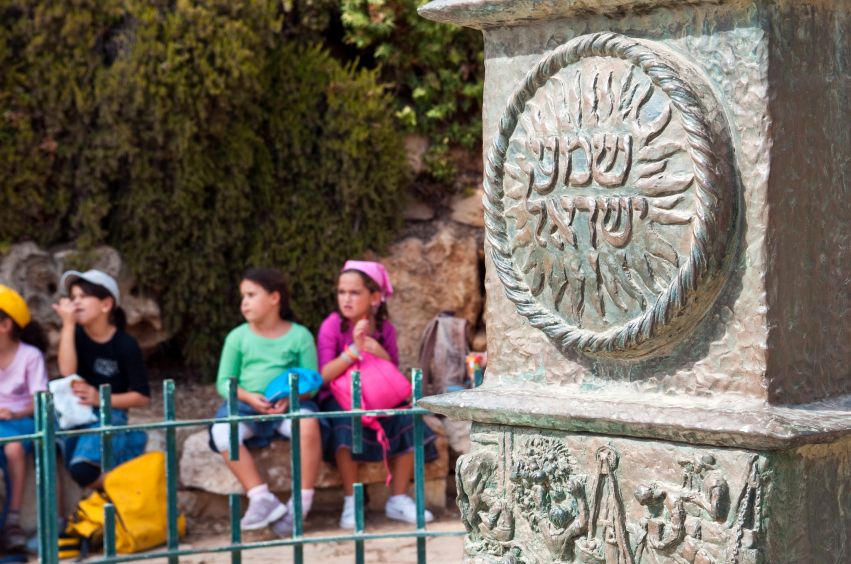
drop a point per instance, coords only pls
(46, 435)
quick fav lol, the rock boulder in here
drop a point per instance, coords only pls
(440, 274)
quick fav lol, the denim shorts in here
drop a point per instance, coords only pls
(86, 448)
(264, 432)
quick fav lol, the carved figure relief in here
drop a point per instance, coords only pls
(667, 529)
(529, 499)
(608, 539)
(608, 208)
(746, 530)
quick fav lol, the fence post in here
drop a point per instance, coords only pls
(173, 538)
(46, 477)
(106, 458)
(233, 409)
(109, 530)
(419, 464)
(41, 480)
(357, 403)
(295, 467)
(233, 499)
(235, 530)
(359, 522)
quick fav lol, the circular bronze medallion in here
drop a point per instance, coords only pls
(610, 198)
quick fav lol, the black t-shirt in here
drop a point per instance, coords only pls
(117, 362)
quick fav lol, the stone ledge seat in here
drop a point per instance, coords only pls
(203, 470)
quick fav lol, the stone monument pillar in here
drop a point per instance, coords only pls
(668, 216)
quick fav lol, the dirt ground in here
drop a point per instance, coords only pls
(401, 551)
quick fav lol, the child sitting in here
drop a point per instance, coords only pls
(94, 345)
(255, 353)
(22, 374)
(360, 324)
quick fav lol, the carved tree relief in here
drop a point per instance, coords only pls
(609, 211)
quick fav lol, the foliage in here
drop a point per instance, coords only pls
(436, 71)
(51, 159)
(196, 141)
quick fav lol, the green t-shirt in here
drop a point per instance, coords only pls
(256, 360)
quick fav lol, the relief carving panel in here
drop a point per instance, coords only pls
(610, 197)
(527, 498)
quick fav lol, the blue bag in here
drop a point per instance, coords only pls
(279, 388)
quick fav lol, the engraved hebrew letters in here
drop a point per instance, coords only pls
(598, 181)
(609, 210)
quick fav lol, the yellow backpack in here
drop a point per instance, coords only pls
(137, 489)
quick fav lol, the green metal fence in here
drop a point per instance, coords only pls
(47, 433)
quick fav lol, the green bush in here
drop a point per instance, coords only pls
(196, 141)
(51, 159)
(436, 70)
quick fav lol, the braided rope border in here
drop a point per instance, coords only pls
(701, 141)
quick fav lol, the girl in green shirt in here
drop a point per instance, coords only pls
(254, 353)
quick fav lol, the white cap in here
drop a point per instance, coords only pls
(95, 277)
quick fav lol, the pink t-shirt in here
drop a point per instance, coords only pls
(331, 339)
(26, 375)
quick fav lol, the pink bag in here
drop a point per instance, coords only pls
(383, 386)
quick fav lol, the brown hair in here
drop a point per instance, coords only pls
(273, 280)
(32, 334)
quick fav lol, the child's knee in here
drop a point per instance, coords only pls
(14, 450)
(310, 429)
(221, 435)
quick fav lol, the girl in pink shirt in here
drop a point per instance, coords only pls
(361, 324)
(22, 374)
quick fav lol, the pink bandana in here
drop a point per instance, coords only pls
(374, 270)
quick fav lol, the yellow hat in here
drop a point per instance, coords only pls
(14, 306)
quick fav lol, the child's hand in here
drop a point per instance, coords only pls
(257, 401)
(87, 394)
(279, 406)
(65, 310)
(374, 348)
(6, 413)
(359, 333)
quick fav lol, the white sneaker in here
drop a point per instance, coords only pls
(284, 527)
(347, 518)
(403, 508)
(262, 510)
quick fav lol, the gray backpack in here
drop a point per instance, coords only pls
(443, 352)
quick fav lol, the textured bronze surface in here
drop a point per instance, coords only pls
(668, 259)
(712, 421)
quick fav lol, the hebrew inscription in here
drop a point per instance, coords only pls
(609, 210)
(532, 499)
